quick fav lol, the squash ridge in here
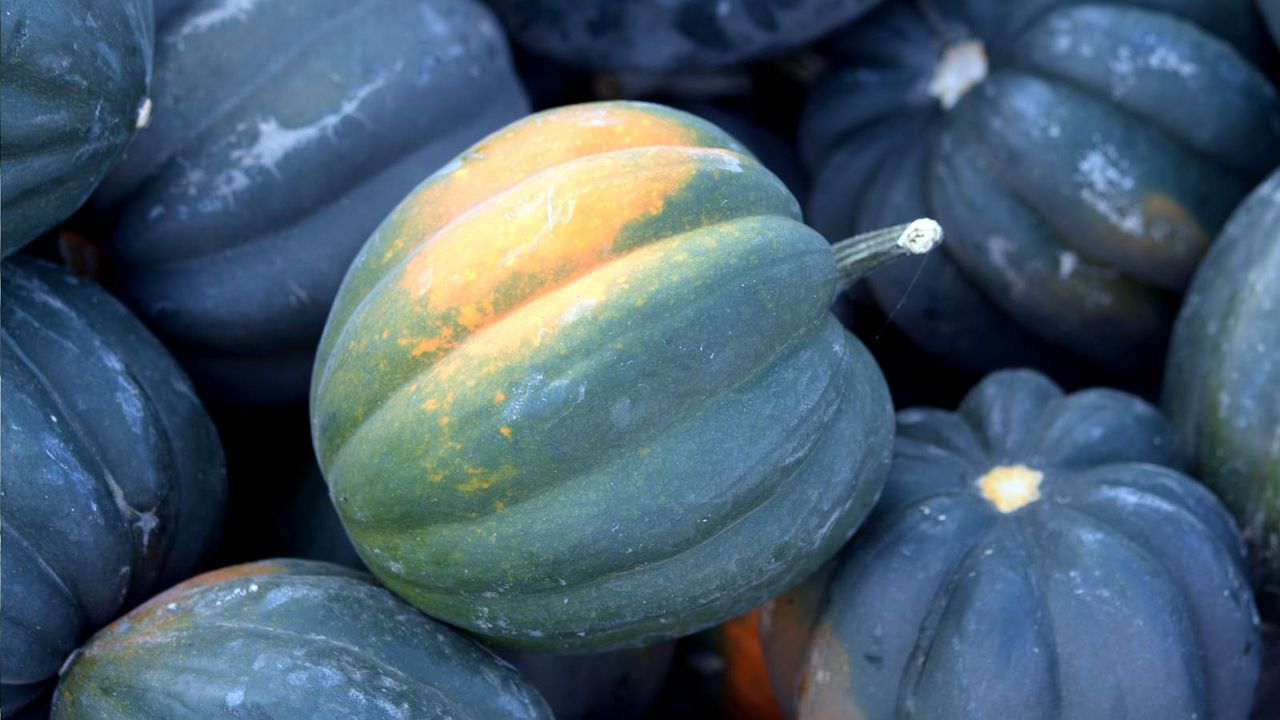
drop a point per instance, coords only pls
(495, 323)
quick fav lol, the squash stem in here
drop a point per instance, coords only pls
(863, 253)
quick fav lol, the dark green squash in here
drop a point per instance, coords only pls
(1271, 11)
(72, 93)
(619, 685)
(581, 391)
(113, 480)
(283, 133)
(287, 639)
(1222, 380)
(1034, 555)
(1081, 156)
(659, 36)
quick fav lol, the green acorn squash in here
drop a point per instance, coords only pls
(1034, 555)
(581, 390)
(1222, 380)
(73, 92)
(113, 480)
(284, 132)
(659, 36)
(287, 639)
(1081, 155)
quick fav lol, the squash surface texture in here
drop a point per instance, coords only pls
(581, 390)
(1222, 380)
(1081, 156)
(659, 36)
(284, 132)
(74, 91)
(287, 639)
(113, 483)
(1034, 555)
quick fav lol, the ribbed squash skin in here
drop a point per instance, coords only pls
(619, 685)
(1079, 182)
(287, 639)
(659, 36)
(581, 389)
(1119, 592)
(75, 82)
(284, 132)
(113, 480)
(1222, 380)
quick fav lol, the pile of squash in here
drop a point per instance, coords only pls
(743, 359)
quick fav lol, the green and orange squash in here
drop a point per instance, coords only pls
(582, 391)
(1222, 379)
(1081, 155)
(113, 480)
(74, 90)
(1034, 555)
(283, 133)
(287, 639)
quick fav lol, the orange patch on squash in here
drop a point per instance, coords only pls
(554, 228)
(145, 624)
(748, 692)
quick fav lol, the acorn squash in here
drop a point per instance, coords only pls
(581, 390)
(1081, 156)
(287, 639)
(659, 36)
(1222, 380)
(74, 90)
(1034, 555)
(283, 133)
(113, 480)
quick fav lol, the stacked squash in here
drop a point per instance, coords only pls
(578, 400)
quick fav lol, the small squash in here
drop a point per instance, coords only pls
(284, 132)
(1035, 555)
(74, 90)
(581, 390)
(659, 36)
(1081, 155)
(287, 639)
(113, 480)
(1222, 380)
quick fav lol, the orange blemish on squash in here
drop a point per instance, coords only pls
(431, 404)
(1168, 220)
(499, 397)
(539, 236)
(748, 693)
(539, 320)
(435, 344)
(444, 421)
(147, 623)
(506, 432)
(482, 479)
(824, 687)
